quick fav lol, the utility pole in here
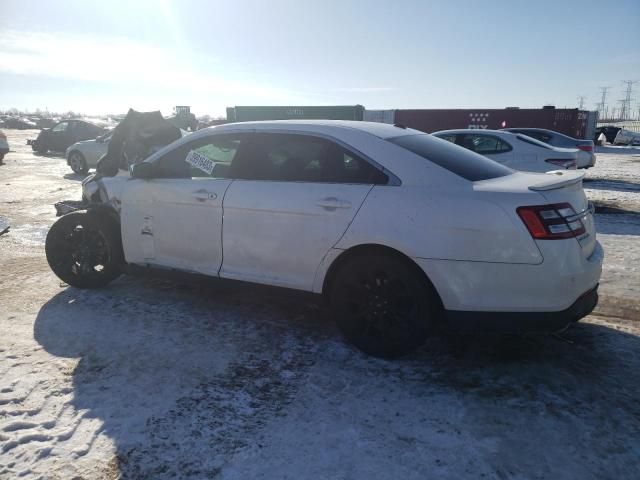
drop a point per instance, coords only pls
(602, 104)
(581, 99)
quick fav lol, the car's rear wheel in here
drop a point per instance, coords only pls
(78, 163)
(383, 304)
(85, 250)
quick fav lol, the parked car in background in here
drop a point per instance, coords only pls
(586, 154)
(513, 150)
(64, 133)
(4, 146)
(627, 137)
(609, 132)
(83, 155)
(403, 232)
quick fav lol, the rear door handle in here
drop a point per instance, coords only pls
(332, 203)
(203, 195)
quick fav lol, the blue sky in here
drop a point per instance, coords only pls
(98, 57)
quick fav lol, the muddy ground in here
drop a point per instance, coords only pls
(151, 379)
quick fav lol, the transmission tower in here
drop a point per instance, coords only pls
(626, 102)
(602, 104)
(581, 99)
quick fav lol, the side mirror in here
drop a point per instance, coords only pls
(142, 170)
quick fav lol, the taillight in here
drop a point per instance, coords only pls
(551, 222)
(568, 164)
(586, 148)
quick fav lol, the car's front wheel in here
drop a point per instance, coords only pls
(78, 163)
(38, 147)
(84, 249)
(383, 304)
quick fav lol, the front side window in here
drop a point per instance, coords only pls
(304, 158)
(209, 157)
(61, 127)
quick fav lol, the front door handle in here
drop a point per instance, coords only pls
(332, 203)
(203, 195)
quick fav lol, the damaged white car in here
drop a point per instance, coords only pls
(401, 231)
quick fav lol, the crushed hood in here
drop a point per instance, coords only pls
(136, 137)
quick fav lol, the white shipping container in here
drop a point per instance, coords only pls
(380, 116)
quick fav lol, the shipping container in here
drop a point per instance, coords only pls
(338, 112)
(380, 116)
(572, 122)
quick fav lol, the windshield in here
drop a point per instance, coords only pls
(456, 159)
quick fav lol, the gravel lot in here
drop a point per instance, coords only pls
(153, 379)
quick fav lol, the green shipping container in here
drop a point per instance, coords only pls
(339, 112)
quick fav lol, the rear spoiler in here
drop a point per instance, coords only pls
(558, 179)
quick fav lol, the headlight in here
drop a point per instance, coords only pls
(89, 188)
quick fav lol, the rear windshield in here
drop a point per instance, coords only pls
(533, 141)
(454, 158)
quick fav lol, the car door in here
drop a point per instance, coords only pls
(174, 219)
(491, 147)
(293, 197)
(58, 137)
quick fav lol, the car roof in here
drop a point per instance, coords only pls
(529, 128)
(381, 130)
(473, 130)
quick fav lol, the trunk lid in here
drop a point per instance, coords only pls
(561, 186)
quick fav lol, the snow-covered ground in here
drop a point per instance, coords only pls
(152, 379)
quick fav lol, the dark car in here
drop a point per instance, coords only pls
(63, 134)
(609, 132)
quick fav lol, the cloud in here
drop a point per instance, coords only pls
(121, 62)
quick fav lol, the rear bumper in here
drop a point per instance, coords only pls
(521, 322)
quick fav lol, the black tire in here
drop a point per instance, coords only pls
(41, 149)
(78, 163)
(85, 250)
(383, 304)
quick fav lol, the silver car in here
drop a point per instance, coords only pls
(81, 156)
(586, 155)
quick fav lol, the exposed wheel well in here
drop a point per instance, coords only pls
(374, 249)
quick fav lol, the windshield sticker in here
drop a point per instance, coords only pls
(200, 162)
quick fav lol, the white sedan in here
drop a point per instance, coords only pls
(83, 155)
(401, 231)
(513, 150)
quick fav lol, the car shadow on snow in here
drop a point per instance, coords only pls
(183, 377)
(618, 224)
(49, 154)
(611, 184)
(74, 176)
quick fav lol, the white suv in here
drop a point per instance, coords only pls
(402, 231)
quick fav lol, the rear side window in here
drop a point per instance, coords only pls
(456, 159)
(485, 144)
